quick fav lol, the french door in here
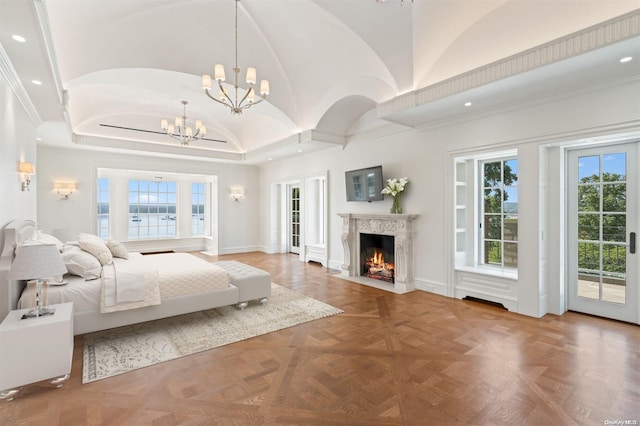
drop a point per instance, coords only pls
(294, 218)
(602, 221)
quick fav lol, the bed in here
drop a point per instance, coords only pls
(183, 283)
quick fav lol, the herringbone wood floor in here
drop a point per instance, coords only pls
(414, 359)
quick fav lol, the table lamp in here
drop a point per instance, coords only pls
(36, 262)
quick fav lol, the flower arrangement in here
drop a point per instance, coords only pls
(395, 187)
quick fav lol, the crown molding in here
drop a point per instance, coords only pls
(525, 103)
(15, 83)
(45, 30)
(155, 148)
(387, 129)
(612, 31)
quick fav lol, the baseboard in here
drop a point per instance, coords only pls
(234, 250)
(430, 286)
(335, 264)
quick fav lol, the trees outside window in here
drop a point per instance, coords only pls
(499, 213)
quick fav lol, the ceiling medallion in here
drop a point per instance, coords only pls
(224, 98)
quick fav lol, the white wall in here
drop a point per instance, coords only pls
(424, 157)
(238, 221)
(17, 143)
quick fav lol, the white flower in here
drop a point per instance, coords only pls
(395, 186)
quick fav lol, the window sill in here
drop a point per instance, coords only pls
(509, 274)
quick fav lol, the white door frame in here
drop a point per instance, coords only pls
(630, 310)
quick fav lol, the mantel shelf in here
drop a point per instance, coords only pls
(401, 216)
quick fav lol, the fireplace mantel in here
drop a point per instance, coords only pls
(398, 225)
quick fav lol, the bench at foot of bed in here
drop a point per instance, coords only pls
(252, 283)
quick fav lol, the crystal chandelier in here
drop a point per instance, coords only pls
(224, 98)
(180, 130)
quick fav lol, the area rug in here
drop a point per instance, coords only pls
(120, 350)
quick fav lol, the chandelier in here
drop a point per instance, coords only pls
(224, 98)
(180, 130)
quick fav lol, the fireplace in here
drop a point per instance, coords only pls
(376, 257)
(378, 250)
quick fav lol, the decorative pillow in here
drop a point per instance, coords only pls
(97, 247)
(81, 263)
(118, 249)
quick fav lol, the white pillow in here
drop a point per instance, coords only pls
(97, 247)
(118, 249)
(81, 263)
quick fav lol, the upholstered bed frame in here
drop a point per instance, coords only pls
(84, 322)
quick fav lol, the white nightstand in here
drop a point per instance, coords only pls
(35, 349)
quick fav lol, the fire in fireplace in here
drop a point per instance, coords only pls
(376, 257)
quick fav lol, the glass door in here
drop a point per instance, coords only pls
(601, 226)
(294, 218)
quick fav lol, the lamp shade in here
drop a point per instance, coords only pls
(25, 168)
(37, 261)
(69, 186)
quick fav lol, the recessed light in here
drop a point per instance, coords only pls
(38, 139)
(37, 82)
(626, 59)
(18, 38)
(299, 150)
(467, 104)
(270, 158)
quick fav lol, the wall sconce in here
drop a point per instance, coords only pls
(25, 170)
(236, 193)
(65, 189)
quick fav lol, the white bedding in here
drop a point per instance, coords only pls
(179, 274)
(128, 284)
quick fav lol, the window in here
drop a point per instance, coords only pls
(197, 208)
(149, 205)
(102, 226)
(485, 213)
(499, 213)
(152, 209)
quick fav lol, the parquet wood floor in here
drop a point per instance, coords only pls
(413, 359)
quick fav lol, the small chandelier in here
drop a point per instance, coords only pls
(224, 98)
(180, 130)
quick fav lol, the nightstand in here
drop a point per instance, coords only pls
(35, 349)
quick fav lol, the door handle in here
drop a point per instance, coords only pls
(632, 242)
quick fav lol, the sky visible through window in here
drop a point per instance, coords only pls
(611, 163)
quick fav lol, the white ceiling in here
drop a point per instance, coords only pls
(330, 63)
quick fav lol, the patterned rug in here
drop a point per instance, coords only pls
(120, 350)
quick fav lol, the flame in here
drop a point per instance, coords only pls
(378, 260)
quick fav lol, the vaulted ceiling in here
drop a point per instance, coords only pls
(337, 68)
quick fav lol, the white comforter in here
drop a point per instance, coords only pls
(180, 274)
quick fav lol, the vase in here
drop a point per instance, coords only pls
(395, 207)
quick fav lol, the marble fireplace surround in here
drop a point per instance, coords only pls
(400, 226)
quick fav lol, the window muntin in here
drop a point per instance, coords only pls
(152, 209)
(102, 196)
(197, 208)
(499, 213)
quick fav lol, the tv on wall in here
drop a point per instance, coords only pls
(364, 184)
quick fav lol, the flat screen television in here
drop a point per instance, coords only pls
(364, 184)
